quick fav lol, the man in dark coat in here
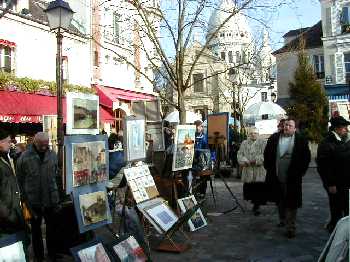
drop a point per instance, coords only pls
(286, 160)
(37, 174)
(11, 216)
(333, 157)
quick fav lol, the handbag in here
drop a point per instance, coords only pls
(26, 213)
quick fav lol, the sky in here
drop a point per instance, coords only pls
(302, 13)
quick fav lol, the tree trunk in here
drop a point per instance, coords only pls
(182, 110)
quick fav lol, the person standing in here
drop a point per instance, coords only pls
(37, 173)
(286, 160)
(251, 160)
(11, 216)
(333, 155)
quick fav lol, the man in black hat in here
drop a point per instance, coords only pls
(332, 165)
(11, 216)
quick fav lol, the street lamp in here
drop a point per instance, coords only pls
(60, 16)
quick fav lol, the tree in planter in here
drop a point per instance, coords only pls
(178, 22)
(309, 102)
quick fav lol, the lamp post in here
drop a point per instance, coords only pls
(60, 16)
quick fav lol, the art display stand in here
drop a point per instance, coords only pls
(218, 143)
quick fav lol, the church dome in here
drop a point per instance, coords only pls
(236, 29)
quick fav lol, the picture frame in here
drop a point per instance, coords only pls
(91, 207)
(93, 250)
(162, 215)
(154, 133)
(183, 147)
(218, 130)
(50, 127)
(134, 138)
(126, 248)
(12, 248)
(87, 160)
(83, 114)
(197, 220)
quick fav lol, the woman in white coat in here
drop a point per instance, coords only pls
(251, 159)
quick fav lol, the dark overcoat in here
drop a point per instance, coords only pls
(299, 164)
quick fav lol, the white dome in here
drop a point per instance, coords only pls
(236, 28)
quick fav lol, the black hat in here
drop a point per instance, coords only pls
(338, 121)
(3, 133)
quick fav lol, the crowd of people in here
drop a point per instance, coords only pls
(271, 171)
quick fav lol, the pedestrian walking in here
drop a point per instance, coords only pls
(286, 160)
(333, 155)
(11, 216)
(38, 180)
(251, 160)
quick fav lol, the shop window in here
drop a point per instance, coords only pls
(198, 83)
(6, 57)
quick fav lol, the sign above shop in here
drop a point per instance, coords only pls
(20, 119)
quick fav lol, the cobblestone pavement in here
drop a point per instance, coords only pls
(243, 237)
(238, 236)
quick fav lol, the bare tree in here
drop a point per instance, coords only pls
(164, 32)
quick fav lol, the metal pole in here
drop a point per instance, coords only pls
(60, 133)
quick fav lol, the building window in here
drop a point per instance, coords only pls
(238, 57)
(116, 28)
(263, 96)
(345, 20)
(6, 59)
(96, 59)
(319, 66)
(222, 34)
(198, 83)
(4, 4)
(328, 21)
(230, 57)
(223, 55)
(347, 67)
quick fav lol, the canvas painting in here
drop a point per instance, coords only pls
(218, 127)
(162, 215)
(89, 163)
(13, 253)
(184, 147)
(129, 251)
(82, 113)
(197, 221)
(50, 127)
(134, 139)
(93, 207)
(154, 133)
(95, 253)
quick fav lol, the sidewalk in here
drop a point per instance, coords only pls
(243, 237)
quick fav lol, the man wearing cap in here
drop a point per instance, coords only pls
(38, 179)
(11, 216)
(333, 156)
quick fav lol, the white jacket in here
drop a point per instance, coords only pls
(252, 151)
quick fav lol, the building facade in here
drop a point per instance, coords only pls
(336, 42)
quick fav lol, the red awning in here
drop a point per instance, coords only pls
(7, 43)
(17, 107)
(108, 95)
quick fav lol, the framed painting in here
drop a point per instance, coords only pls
(50, 127)
(82, 114)
(134, 138)
(162, 215)
(197, 220)
(90, 252)
(12, 249)
(91, 207)
(184, 147)
(154, 133)
(87, 160)
(127, 249)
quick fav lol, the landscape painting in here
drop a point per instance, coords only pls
(93, 207)
(95, 253)
(184, 147)
(134, 139)
(82, 114)
(197, 221)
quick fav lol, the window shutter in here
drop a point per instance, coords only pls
(339, 68)
(328, 22)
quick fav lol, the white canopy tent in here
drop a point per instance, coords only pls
(263, 111)
(191, 117)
